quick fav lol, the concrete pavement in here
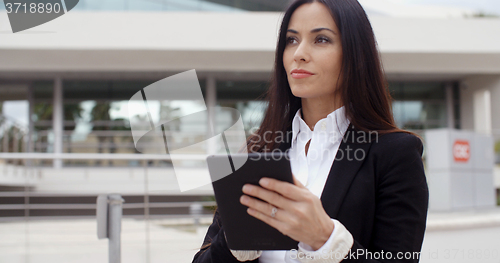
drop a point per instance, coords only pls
(465, 236)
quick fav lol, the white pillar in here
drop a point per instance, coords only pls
(211, 97)
(31, 124)
(482, 111)
(57, 120)
(450, 105)
(472, 99)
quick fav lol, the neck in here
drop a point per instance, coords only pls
(315, 109)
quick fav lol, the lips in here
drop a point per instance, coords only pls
(300, 73)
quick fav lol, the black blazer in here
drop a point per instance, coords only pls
(379, 194)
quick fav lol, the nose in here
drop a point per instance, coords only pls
(302, 52)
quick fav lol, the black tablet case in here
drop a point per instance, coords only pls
(244, 232)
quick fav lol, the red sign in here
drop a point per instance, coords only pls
(461, 151)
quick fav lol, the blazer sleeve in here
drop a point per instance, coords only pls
(401, 205)
(214, 248)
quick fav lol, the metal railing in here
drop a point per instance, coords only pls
(29, 188)
(100, 141)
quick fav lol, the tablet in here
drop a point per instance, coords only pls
(243, 231)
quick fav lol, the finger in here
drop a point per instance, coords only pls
(268, 196)
(285, 189)
(297, 182)
(262, 207)
(273, 222)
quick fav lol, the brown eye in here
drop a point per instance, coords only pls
(323, 40)
(290, 40)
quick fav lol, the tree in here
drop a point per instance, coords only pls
(100, 113)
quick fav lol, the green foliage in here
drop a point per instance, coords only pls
(43, 111)
(482, 14)
(497, 147)
(100, 112)
(209, 198)
(11, 133)
(72, 112)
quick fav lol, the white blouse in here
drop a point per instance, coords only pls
(312, 171)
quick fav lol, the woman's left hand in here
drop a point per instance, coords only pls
(300, 214)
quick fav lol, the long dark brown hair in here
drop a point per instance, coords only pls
(362, 88)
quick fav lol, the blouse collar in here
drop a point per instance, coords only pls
(335, 125)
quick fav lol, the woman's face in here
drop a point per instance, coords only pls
(313, 44)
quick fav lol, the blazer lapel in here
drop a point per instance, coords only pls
(344, 170)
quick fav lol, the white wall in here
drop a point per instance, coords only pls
(233, 42)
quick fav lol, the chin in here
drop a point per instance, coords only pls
(302, 92)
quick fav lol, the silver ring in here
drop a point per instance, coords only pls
(273, 212)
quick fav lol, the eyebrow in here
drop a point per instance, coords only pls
(314, 30)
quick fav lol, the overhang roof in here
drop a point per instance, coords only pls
(81, 42)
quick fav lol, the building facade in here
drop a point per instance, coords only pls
(64, 84)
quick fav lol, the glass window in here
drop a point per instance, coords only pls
(14, 120)
(417, 91)
(246, 97)
(241, 90)
(96, 119)
(252, 112)
(420, 105)
(418, 115)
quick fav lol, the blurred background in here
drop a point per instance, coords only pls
(65, 132)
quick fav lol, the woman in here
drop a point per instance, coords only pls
(360, 192)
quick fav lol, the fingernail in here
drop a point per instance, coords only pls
(247, 188)
(243, 199)
(264, 182)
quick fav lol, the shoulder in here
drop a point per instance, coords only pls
(397, 155)
(397, 143)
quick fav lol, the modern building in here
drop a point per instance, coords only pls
(64, 84)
